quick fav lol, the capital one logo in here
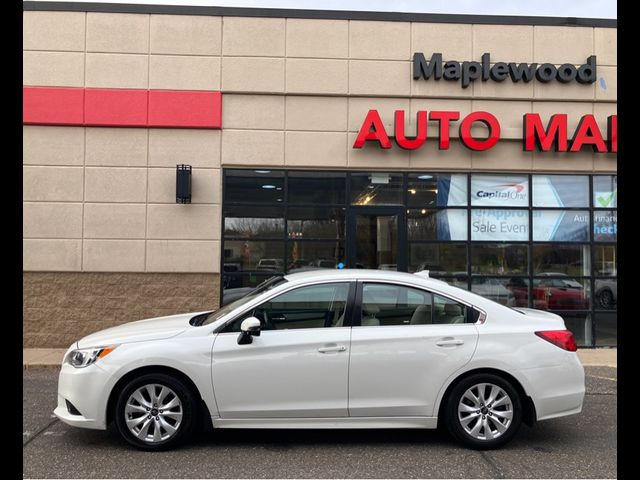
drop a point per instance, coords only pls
(508, 191)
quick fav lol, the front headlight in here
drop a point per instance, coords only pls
(84, 357)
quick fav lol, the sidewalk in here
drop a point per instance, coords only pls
(52, 357)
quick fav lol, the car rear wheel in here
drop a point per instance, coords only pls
(483, 411)
(156, 412)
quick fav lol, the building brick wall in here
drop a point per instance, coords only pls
(60, 308)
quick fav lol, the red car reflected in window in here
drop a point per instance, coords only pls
(554, 292)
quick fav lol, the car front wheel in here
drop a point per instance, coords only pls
(484, 411)
(155, 412)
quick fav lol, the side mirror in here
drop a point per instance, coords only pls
(249, 327)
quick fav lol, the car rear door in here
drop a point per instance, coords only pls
(298, 366)
(405, 343)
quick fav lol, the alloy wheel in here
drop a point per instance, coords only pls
(485, 411)
(153, 413)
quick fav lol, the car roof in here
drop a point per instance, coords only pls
(359, 274)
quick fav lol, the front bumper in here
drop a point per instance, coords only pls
(87, 389)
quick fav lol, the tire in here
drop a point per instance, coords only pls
(170, 426)
(605, 299)
(464, 417)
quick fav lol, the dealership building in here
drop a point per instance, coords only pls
(172, 153)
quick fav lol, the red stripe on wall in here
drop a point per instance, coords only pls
(52, 106)
(121, 107)
(188, 109)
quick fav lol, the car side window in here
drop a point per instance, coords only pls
(316, 306)
(387, 304)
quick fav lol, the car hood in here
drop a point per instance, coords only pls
(548, 317)
(143, 330)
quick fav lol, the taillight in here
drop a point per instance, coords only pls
(560, 338)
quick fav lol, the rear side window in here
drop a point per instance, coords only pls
(387, 304)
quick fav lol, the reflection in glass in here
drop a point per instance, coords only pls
(320, 222)
(317, 188)
(605, 191)
(560, 226)
(606, 294)
(449, 224)
(437, 190)
(500, 190)
(561, 259)
(500, 258)
(496, 224)
(250, 255)
(606, 329)
(561, 293)
(245, 281)
(252, 222)
(605, 225)
(438, 258)
(494, 289)
(377, 242)
(376, 188)
(254, 186)
(560, 191)
(580, 325)
(605, 260)
(313, 255)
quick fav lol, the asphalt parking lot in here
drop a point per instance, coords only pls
(580, 446)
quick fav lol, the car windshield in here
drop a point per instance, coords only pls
(263, 287)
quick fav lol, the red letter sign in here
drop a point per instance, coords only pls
(490, 121)
(378, 134)
(421, 136)
(554, 135)
(588, 133)
(612, 133)
(444, 118)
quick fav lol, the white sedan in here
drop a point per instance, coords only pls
(328, 349)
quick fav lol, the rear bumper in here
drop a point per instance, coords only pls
(557, 390)
(86, 389)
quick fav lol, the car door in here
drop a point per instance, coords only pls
(297, 366)
(405, 343)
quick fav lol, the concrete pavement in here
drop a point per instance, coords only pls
(52, 357)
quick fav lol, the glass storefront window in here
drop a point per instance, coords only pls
(252, 222)
(560, 191)
(438, 258)
(500, 190)
(561, 259)
(605, 191)
(560, 226)
(605, 225)
(317, 188)
(376, 188)
(437, 190)
(315, 222)
(496, 224)
(561, 293)
(606, 293)
(449, 224)
(254, 186)
(530, 240)
(500, 259)
(605, 260)
(606, 326)
(494, 289)
(311, 255)
(252, 255)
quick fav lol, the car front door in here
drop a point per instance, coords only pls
(405, 343)
(298, 366)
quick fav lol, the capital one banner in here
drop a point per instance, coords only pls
(511, 223)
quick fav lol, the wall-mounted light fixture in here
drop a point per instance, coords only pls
(183, 183)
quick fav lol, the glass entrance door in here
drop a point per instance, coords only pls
(374, 236)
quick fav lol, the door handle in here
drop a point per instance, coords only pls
(335, 348)
(449, 343)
